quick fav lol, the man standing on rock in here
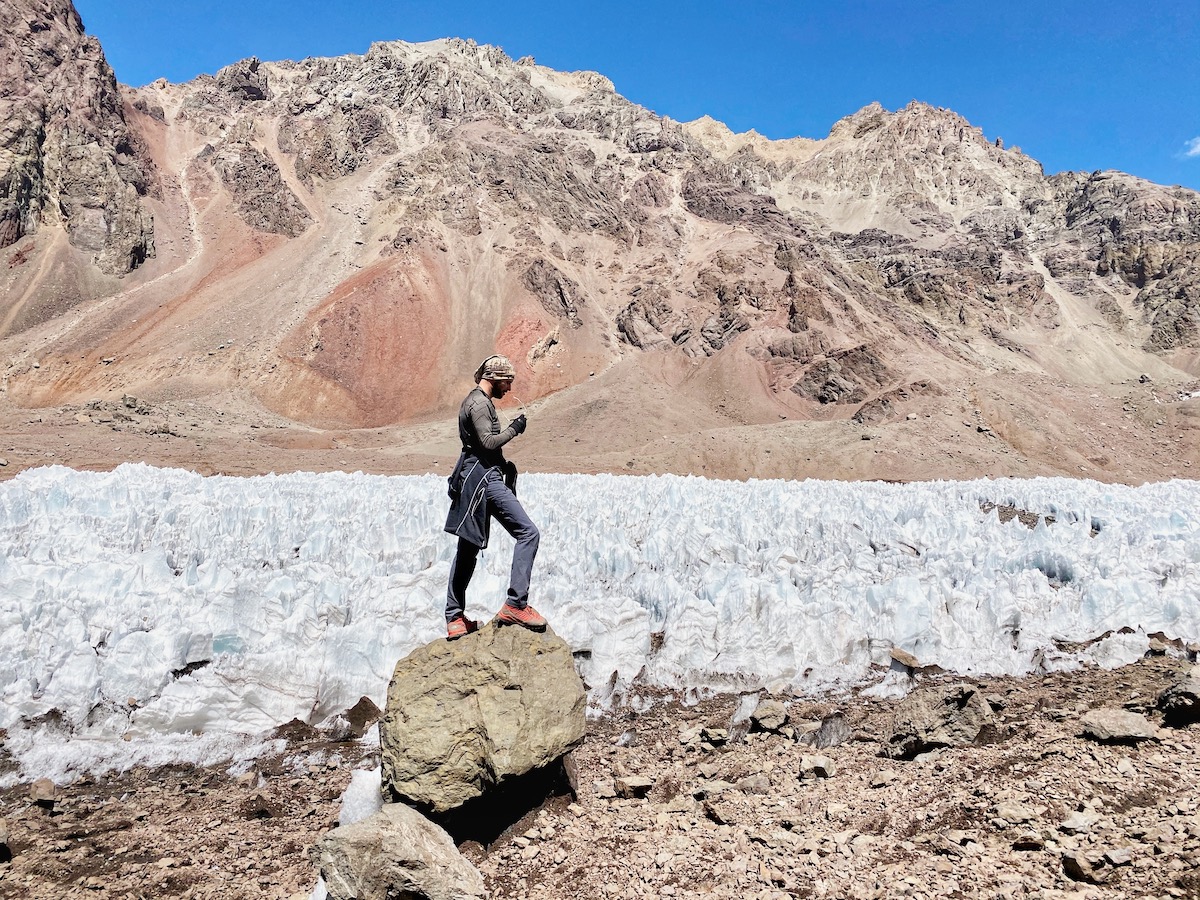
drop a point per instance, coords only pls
(482, 486)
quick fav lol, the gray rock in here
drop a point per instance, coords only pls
(715, 736)
(689, 736)
(769, 715)
(953, 716)
(712, 788)
(755, 784)
(834, 732)
(395, 853)
(1078, 823)
(817, 767)
(883, 779)
(1117, 726)
(69, 156)
(1120, 856)
(1017, 813)
(245, 80)
(1180, 703)
(633, 787)
(1083, 867)
(464, 716)
(262, 196)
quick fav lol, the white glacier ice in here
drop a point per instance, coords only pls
(151, 604)
(362, 797)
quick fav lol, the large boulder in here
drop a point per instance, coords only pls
(1117, 726)
(466, 716)
(954, 716)
(1180, 703)
(395, 853)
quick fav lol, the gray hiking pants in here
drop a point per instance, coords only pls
(505, 508)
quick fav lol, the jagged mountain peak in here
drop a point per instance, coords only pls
(342, 222)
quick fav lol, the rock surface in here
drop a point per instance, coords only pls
(67, 155)
(466, 716)
(395, 853)
(1180, 703)
(1118, 726)
(769, 715)
(953, 716)
(935, 826)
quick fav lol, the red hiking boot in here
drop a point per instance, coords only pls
(456, 628)
(528, 617)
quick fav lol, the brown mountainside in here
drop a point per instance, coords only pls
(292, 257)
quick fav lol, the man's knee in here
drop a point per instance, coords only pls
(530, 535)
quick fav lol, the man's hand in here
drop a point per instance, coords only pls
(519, 424)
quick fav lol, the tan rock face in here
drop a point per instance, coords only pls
(953, 716)
(67, 155)
(469, 715)
(395, 853)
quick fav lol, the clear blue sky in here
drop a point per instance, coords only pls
(1077, 84)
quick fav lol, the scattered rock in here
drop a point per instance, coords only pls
(44, 793)
(1079, 822)
(717, 737)
(883, 778)
(1030, 840)
(1083, 867)
(817, 767)
(755, 784)
(632, 787)
(1017, 813)
(1121, 856)
(834, 732)
(1117, 726)
(259, 806)
(395, 853)
(953, 716)
(464, 716)
(769, 715)
(1180, 703)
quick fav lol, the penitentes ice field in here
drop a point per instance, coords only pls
(182, 613)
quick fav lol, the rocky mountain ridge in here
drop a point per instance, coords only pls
(333, 224)
(68, 158)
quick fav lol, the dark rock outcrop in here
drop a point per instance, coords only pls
(261, 196)
(558, 294)
(67, 155)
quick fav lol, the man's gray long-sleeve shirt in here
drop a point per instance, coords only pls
(479, 429)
